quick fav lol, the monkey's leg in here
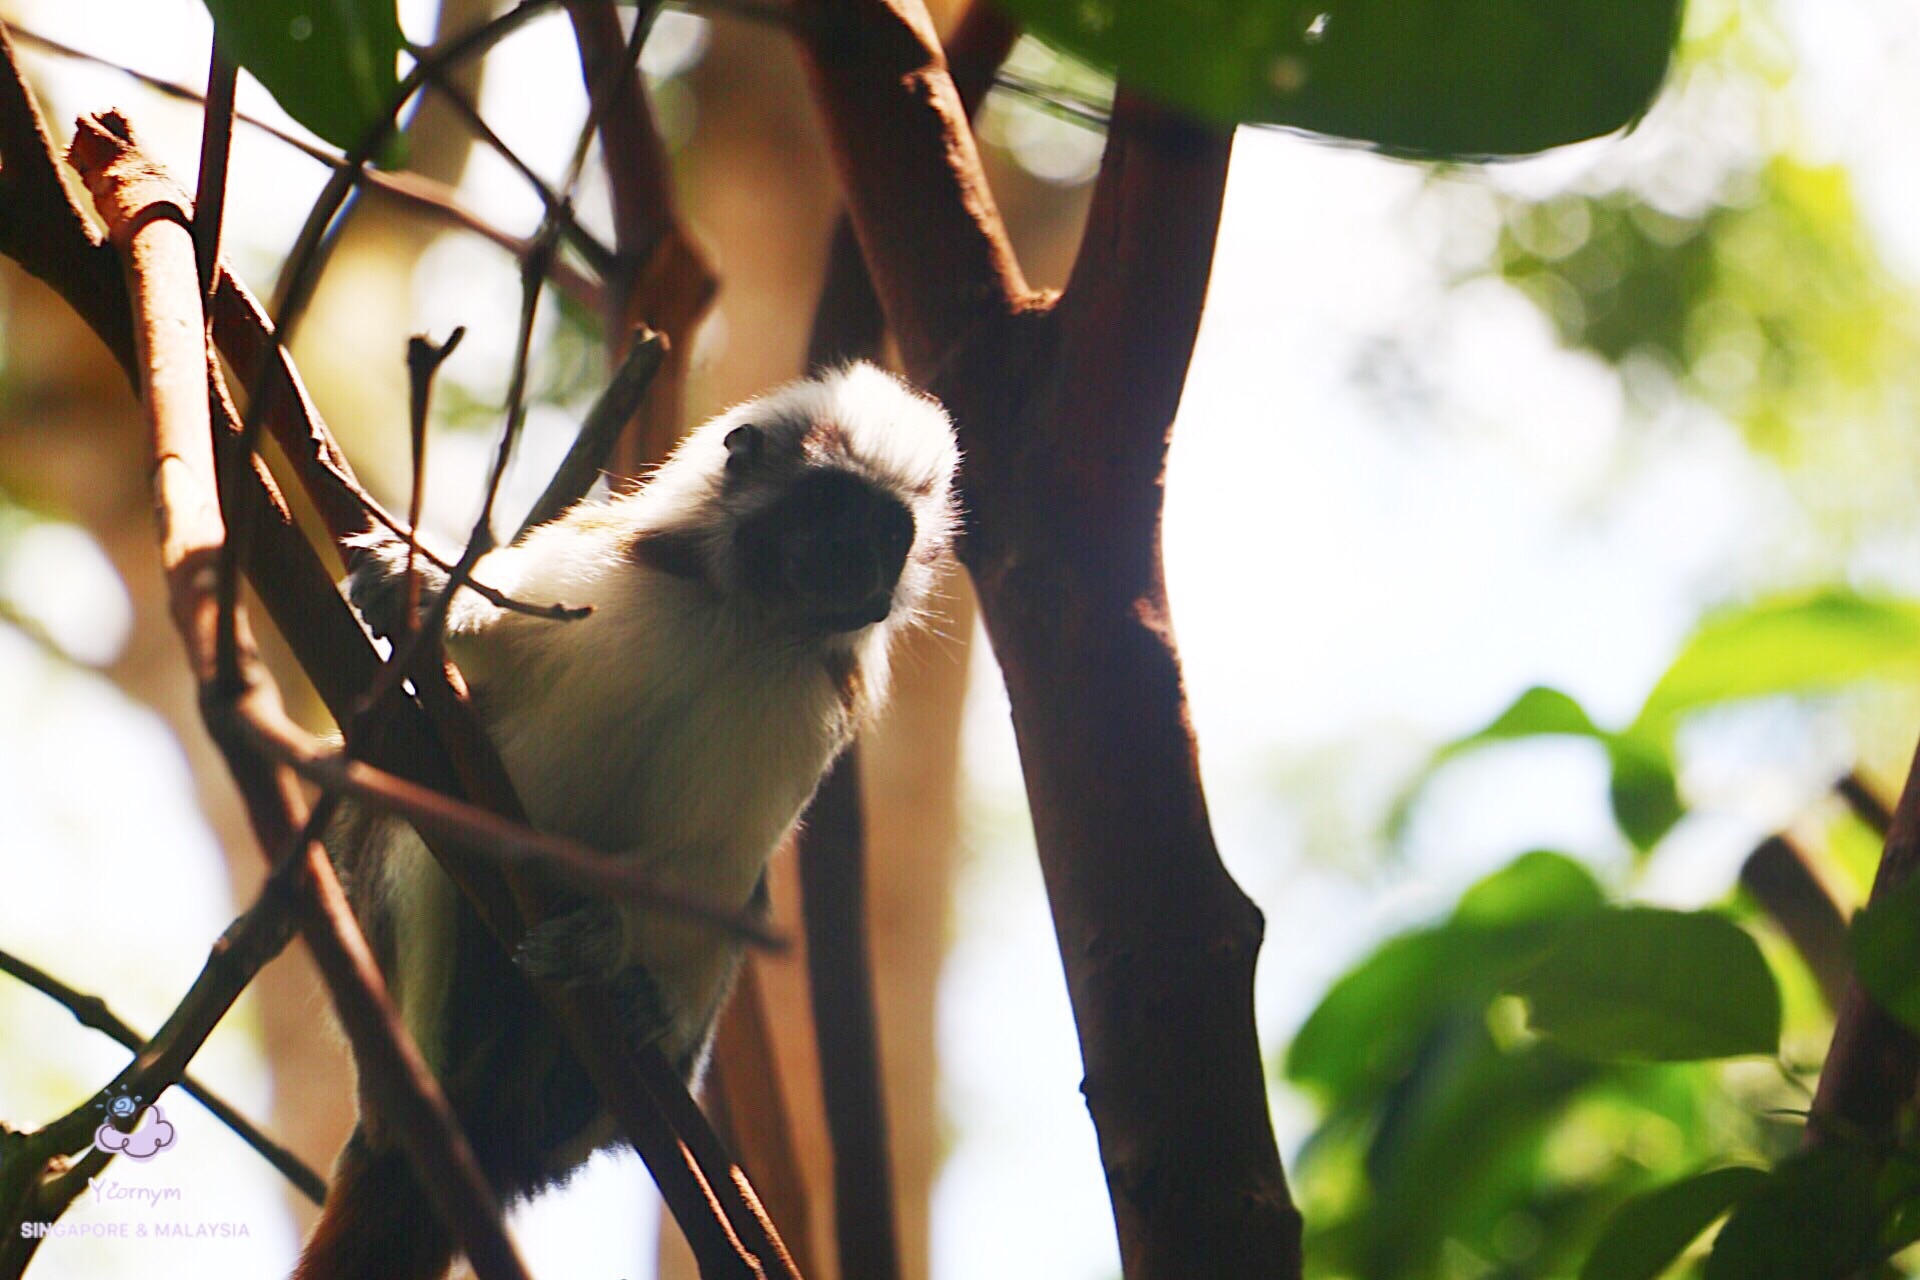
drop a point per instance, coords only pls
(377, 1223)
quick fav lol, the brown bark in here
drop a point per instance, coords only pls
(1874, 1060)
(150, 227)
(1064, 416)
(1787, 888)
(662, 279)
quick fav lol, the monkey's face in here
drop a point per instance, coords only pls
(828, 552)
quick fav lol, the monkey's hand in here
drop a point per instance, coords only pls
(377, 587)
(589, 944)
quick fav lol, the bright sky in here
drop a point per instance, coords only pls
(1360, 568)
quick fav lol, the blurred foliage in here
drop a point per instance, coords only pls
(1489, 1108)
(1463, 1136)
(1772, 307)
(1805, 643)
(1458, 78)
(332, 66)
(1426, 77)
(1754, 290)
(1492, 1103)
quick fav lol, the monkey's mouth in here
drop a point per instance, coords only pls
(870, 611)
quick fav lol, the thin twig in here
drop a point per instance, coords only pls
(598, 256)
(216, 145)
(481, 540)
(246, 335)
(209, 211)
(1085, 112)
(302, 264)
(92, 1012)
(307, 256)
(256, 936)
(423, 362)
(1779, 877)
(415, 191)
(1865, 802)
(587, 458)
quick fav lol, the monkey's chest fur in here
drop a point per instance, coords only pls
(713, 757)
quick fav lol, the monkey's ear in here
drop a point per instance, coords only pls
(743, 448)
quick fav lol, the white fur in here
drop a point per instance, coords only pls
(674, 724)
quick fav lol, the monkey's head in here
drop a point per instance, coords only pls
(828, 502)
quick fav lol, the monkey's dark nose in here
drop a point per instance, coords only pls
(829, 552)
(842, 564)
(843, 572)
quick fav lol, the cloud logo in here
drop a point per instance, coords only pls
(144, 1143)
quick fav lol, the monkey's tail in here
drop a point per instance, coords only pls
(377, 1223)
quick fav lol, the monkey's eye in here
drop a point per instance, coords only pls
(743, 448)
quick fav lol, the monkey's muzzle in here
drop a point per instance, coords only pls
(837, 548)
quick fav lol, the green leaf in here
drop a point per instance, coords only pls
(1646, 1234)
(1644, 795)
(1886, 952)
(1790, 645)
(1458, 1143)
(1639, 982)
(1538, 710)
(1367, 1027)
(330, 63)
(1372, 1021)
(1455, 78)
(1817, 1215)
(1540, 885)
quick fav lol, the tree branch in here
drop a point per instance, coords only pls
(1064, 419)
(1874, 1060)
(1781, 881)
(414, 191)
(1138, 284)
(840, 979)
(151, 230)
(435, 815)
(40, 226)
(925, 218)
(847, 320)
(92, 1012)
(661, 278)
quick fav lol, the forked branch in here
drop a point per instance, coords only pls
(152, 232)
